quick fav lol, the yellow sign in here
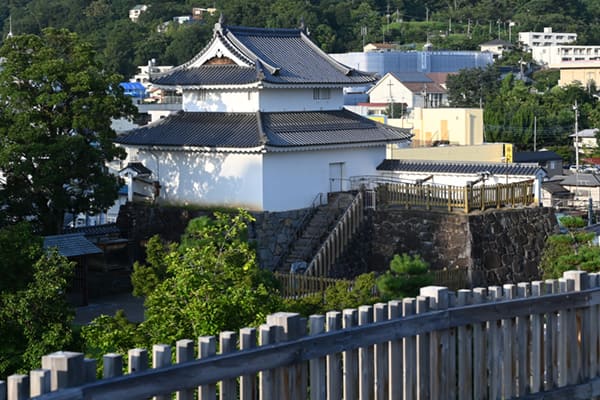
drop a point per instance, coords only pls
(379, 118)
(508, 152)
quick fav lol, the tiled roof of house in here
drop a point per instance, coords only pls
(554, 188)
(591, 180)
(420, 87)
(585, 133)
(408, 77)
(274, 129)
(450, 167)
(276, 56)
(535, 156)
(71, 245)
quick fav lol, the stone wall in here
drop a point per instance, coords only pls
(273, 233)
(495, 246)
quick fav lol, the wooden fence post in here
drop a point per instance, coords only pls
(287, 328)
(508, 335)
(112, 365)
(138, 360)
(410, 353)
(380, 314)
(480, 380)
(334, 373)
(184, 352)
(495, 349)
(366, 379)
(161, 357)
(581, 320)
(423, 351)
(66, 369)
(18, 387)
(350, 359)
(39, 380)
(439, 345)
(395, 359)
(551, 340)
(227, 344)
(318, 376)
(522, 342)
(265, 378)
(465, 353)
(207, 347)
(248, 382)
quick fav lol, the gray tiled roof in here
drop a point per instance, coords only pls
(71, 245)
(138, 168)
(208, 75)
(411, 77)
(535, 156)
(450, 167)
(277, 56)
(275, 129)
(591, 180)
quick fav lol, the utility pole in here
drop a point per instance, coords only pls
(426, 14)
(534, 132)
(391, 99)
(575, 108)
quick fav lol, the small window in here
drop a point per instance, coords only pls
(321, 94)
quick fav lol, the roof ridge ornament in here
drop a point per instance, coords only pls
(220, 24)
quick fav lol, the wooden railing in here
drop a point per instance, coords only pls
(467, 198)
(530, 340)
(294, 286)
(338, 238)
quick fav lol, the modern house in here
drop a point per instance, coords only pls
(549, 160)
(262, 126)
(580, 73)
(585, 140)
(411, 89)
(497, 47)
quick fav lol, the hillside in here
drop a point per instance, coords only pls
(336, 25)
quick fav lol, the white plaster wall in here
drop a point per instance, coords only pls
(399, 93)
(292, 180)
(221, 101)
(207, 179)
(272, 100)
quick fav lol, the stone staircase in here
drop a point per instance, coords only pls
(317, 229)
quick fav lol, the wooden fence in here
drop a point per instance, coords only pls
(530, 340)
(294, 286)
(467, 198)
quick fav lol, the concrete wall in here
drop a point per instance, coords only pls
(488, 152)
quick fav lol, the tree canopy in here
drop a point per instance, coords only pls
(55, 129)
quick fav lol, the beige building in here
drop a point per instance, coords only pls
(488, 152)
(582, 73)
(450, 126)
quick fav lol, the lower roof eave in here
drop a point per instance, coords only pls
(252, 85)
(336, 146)
(202, 149)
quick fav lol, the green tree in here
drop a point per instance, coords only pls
(213, 283)
(36, 320)
(404, 278)
(572, 250)
(55, 129)
(472, 87)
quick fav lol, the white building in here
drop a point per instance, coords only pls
(530, 40)
(261, 126)
(571, 55)
(412, 89)
(136, 11)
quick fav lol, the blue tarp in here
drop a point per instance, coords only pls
(133, 89)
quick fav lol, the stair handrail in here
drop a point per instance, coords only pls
(303, 222)
(336, 242)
